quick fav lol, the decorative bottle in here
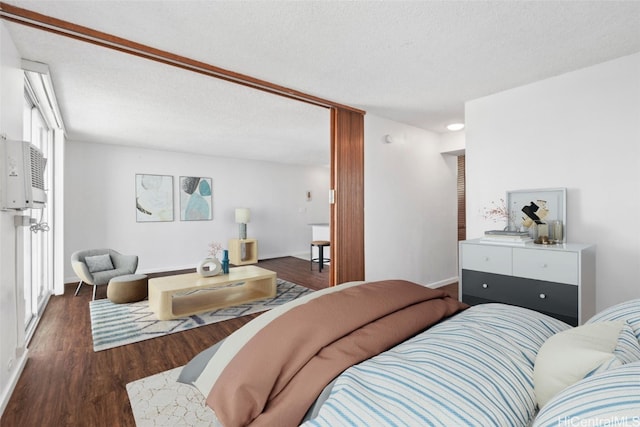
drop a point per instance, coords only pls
(225, 261)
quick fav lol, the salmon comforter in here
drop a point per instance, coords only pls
(276, 375)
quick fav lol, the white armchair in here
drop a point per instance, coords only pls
(97, 266)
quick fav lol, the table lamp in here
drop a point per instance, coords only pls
(243, 215)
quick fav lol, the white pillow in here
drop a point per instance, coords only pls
(99, 263)
(571, 355)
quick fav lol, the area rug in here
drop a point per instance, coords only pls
(159, 400)
(113, 325)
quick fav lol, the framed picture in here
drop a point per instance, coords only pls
(544, 205)
(196, 198)
(154, 198)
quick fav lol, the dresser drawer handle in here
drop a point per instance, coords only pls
(543, 265)
(487, 259)
(485, 286)
(542, 296)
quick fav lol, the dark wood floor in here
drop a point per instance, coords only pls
(65, 383)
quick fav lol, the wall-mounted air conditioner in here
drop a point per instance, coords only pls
(21, 176)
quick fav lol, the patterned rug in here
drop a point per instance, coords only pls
(113, 325)
(161, 401)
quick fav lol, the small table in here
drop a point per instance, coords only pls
(171, 297)
(243, 251)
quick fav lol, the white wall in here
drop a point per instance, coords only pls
(100, 205)
(580, 130)
(410, 205)
(12, 350)
(453, 143)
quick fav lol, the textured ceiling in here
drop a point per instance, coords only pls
(414, 62)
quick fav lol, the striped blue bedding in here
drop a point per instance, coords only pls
(473, 369)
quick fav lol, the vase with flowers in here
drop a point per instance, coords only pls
(498, 212)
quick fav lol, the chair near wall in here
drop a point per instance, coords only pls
(320, 244)
(96, 267)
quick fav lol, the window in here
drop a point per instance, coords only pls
(36, 251)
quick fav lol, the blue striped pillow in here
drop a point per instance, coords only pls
(628, 311)
(608, 398)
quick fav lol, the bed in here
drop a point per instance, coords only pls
(490, 364)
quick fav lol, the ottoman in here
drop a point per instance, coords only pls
(129, 288)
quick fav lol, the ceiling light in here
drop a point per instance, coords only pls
(455, 126)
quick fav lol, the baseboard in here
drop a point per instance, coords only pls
(442, 283)
(305, 255)
(75, 279)
(302, 255)
(13, 381)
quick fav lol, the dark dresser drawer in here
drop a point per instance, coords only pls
(555, 299)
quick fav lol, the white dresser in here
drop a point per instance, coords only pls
(557, 280)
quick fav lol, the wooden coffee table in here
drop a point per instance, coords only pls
(181, 295)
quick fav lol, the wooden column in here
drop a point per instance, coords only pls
(347, 182)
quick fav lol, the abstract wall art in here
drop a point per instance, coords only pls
(196, 198)
(545, 205)
(154, 198)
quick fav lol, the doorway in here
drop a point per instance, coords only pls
(462, 206)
